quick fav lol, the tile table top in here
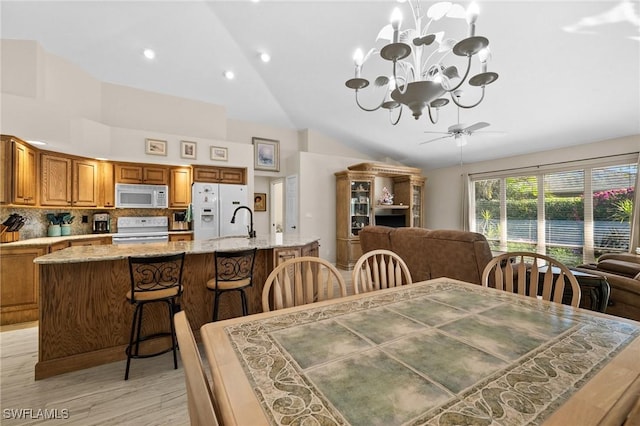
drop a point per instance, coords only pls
(440, 353)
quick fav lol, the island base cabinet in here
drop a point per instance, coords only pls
(85, 318)
(19, 282)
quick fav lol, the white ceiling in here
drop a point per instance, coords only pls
(556, 88)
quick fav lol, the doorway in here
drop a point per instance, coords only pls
(277, 206)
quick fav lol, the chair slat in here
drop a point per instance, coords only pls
(522, 276)
(534, 280)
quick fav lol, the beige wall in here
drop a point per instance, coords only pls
(444, 186)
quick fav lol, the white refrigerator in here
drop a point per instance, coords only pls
(213, 206)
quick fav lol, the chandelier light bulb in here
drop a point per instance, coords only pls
(472, 16)
(358, 56)
(396, 21)
(229, 75)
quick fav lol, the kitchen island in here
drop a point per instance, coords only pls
(85, 318)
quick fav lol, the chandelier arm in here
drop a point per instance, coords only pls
(431, 116)
(468, 106)
(463, 79)
(395, 78)
(398, 119)
(367, 109)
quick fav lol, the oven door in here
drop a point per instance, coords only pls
(139, 239)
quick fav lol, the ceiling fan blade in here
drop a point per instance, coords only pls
(476, 127)
(436, 139)
(438, 133)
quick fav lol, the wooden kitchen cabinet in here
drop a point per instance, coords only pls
(19, 161)
(141, 173)
(107, 197)
(19, 284)
(187, 236)
(58, 246)
(211, 174)
(91, 241)
(180, 187)
(68, 181)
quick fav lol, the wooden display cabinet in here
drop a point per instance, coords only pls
(354, 197)
(357, 207)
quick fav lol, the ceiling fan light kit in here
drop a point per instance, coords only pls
(423, 82)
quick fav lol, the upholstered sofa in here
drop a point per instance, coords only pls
(432, 253)
(623, 274)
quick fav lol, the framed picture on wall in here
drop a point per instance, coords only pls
(155, 147)
(219, 153)
(266, 154)
(259, 201)
(188, 149)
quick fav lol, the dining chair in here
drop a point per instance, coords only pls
(379, 269)
(531, 274)
(201, 404)
(154, 279)
(302, 280)
(234, 272)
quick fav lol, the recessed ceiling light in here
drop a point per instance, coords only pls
(149, 53)
(265, 57)
(255, 1)
(229, 75)
(37, 142)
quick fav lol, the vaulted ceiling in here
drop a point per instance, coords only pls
(569, 70)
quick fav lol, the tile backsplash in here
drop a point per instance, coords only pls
(36, 224)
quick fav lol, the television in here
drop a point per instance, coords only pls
(392, 220)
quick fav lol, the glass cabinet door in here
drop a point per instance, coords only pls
(416, 206)
(360, 206)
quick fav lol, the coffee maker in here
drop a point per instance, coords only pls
(101, 223)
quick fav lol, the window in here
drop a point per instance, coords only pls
(573, 215)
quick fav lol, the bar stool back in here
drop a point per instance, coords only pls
(234, 272)
(153, 280)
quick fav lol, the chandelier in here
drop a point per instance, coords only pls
(423, 82)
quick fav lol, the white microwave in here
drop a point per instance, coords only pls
(142, 196)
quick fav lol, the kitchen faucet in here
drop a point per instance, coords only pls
(252, 233)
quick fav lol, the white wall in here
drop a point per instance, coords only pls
(317, 198)
(443, 190)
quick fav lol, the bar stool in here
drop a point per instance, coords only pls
(153, 280)
(234, 272)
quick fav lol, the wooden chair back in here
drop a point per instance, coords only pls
(379, 269)
(302, 280)
(531, 274)
(202, 410)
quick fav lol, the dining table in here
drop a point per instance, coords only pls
(436, 352)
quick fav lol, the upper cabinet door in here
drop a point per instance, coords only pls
(180, 187)
(139, 173)
(85, 183)
(25, 178)
(55, 178)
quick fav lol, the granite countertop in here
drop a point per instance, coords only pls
(122, 251)
(47, 241)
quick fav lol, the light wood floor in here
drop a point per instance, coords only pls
(154, 394)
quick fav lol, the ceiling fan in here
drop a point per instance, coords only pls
(459, 132)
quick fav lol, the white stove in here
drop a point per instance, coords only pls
(144, 229)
